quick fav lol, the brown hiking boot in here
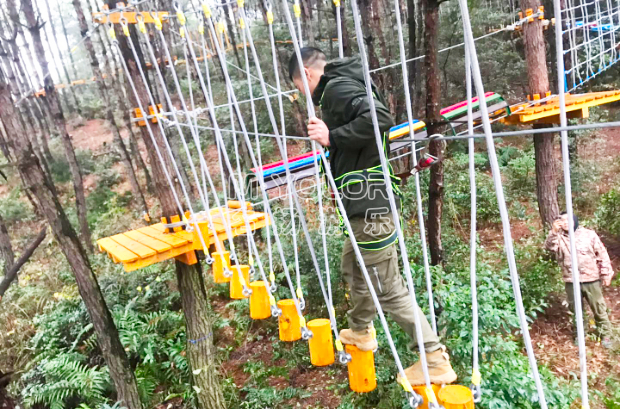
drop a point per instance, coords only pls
(363, 340)
(439, 369)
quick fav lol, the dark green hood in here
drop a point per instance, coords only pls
(350, 67)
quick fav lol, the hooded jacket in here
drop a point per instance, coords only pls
(341, 94)
(592, 257)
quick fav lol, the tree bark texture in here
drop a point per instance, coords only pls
(47, 201)
(34, 26)
(433, 118)
(201, 352)
(107, 102)
(11, 273)
(307, 23)
(538, 79)
(346, 45)
(200, 348)
(6, 250)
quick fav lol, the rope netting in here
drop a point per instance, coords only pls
(590, 38)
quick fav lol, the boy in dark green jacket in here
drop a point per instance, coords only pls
(347, 130)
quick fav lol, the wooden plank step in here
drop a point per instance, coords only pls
(157, 245)
(118, 252)
(171, 239)
(134, 246)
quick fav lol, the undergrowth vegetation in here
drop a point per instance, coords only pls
(54, 345)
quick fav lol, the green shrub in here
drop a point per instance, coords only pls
(13, 208)
(606, 216)
(521, 176)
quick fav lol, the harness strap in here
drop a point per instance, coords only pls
(379, 244)
(373, 174)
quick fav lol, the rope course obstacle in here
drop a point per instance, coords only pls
(214, 227)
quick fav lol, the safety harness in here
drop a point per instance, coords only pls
(373, 174)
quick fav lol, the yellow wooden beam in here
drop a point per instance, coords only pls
(148, 245)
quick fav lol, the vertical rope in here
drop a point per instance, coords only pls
(475, 376)
(414, 158)
(501, 201)
(414, 399)
(569, 211)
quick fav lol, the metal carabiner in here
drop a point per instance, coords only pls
(246, 292)
(344, 358)
(306, 334)
(415, 400)
(275, 311)
(476, 393)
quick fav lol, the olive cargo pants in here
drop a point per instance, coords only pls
(389, 285)
(593, 294)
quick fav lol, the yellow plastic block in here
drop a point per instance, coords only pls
(362, 377)
(138, 113)
(288, 322)
(221, 262)
(259, 301)
(321, 344)
(456, 397)
(241, 276)
(424, 393)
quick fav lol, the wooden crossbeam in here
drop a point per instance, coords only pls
(577, 106)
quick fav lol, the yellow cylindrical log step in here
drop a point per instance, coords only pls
(288, 322)
(362, 376)
(221, 263)
(321, 344)
(259, 301)
(424, 393)
(456, 397)
(241, 274)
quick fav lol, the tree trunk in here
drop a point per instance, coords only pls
(51, 96)
(200, 348)
(6, 250)
(193, 294)
(307, 23)
(58, 65)
(107, 102)
(538, 78)
(40, 187)
(413, 48)
(231, 31)
(435, 148)
(11, 273)
(73, 65)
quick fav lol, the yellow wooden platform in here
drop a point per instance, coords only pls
(151, 244)
(549, 112)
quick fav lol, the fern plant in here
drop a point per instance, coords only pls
(65, 378)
